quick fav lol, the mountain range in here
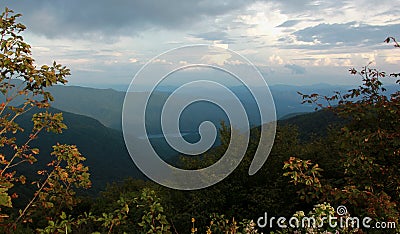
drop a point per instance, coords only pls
(106, 105)
(93, 117)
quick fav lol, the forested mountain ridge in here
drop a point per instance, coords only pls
(105, 151)
(103, 147)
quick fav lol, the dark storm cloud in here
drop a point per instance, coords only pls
(348, 34)
(59, 18)
(296, 69)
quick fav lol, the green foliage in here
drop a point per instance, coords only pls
(317, 221)
(121, 218)
(239, 196)
(153, 219)
(21, 78)
(304, 172)
(57, 189)
(367, 150)
(219, 224)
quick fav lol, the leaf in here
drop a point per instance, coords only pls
(35, 151)
(22, 179)
(5, 199)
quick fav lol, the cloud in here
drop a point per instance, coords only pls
(296, 69)
(76, 61)
(120, 36)
(218, 59)
(289, 23)
(161, 61)
(235, 62)
(346, 34)
(307, 6)
(275, 59)
(324, 62)
(220, 36)
(221, 45)
(183, 63)
(392, 60)
(41, 49)
(105, 19)
(133, 60)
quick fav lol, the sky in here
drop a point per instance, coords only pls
(295, 42)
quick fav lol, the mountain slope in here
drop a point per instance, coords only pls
(104, 105)
(314, 123)
(104, 148)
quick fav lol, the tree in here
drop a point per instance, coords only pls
(24, 85)
(368, 147)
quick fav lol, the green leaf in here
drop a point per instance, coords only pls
(5, 199)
